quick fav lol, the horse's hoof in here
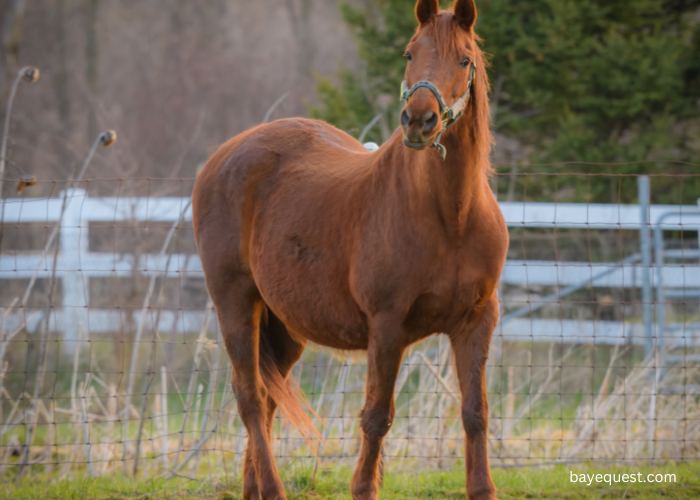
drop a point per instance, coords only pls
(486, 495)
(364, 493)
(273, 494)
(251, 494)
(364, 496)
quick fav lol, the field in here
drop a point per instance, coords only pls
(332, 484)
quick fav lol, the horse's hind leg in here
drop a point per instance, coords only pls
(239, 307)
(471, 350)
(286, 352)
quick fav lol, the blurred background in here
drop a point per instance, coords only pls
(173, 78)
(573, 81)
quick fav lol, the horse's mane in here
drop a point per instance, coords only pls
(442, 30)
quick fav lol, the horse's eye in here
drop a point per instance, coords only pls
(465, 62)
(408, 56)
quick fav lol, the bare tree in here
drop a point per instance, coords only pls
(91, 52)
(300, 14)
(60, 76)
(151, 68)
(12, 30)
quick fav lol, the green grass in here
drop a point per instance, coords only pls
(332, 484)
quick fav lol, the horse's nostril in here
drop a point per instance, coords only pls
(430, 120)
(405, 118)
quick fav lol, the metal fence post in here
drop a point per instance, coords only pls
(74, 248)
(645, 250)
(660, 292)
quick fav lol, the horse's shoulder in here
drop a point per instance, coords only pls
(487, 220)
(486, 240)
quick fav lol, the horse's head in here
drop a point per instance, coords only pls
(440, 71)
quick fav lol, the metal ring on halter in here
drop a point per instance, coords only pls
(449, 114)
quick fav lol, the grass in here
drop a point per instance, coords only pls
(332, 484)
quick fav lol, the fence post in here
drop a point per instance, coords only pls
(643, 188)
(74, 248)
(660, 292)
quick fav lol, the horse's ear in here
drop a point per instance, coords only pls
(426, 9)
(465, 13)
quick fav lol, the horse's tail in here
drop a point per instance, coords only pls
(285, 391)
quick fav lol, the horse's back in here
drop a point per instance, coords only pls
(294, 151)
(293, 145)
(316, 143)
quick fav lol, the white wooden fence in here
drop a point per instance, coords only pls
(76, 264)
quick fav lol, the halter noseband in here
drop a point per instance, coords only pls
(449, 114)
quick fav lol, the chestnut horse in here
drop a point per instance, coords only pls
(304, 235)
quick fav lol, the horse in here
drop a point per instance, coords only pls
(304, 236)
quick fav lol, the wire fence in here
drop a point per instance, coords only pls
(112, 359)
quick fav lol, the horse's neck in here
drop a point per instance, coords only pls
(451, 186)
(460, 177)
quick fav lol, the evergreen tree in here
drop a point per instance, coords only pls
(595, 81)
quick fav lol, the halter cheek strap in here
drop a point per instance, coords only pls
(449, 114)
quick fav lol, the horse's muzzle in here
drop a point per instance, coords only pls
(419, 127)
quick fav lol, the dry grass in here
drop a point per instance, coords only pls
(188, 424)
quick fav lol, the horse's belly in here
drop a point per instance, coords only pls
(312, 301)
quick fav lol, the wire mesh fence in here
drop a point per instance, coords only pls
(112, 359)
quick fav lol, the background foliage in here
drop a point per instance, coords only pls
(584, 81)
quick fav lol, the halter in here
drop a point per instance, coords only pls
(450, 114)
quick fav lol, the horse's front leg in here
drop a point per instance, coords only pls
(384, 354)
(471, 348)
